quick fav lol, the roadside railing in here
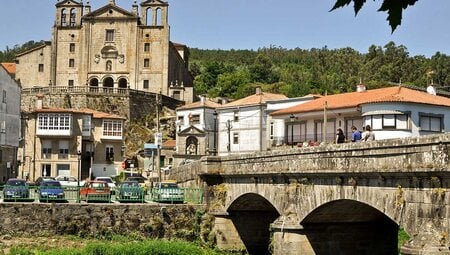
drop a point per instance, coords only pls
(73, 194)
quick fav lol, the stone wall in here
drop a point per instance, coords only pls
(156, 221)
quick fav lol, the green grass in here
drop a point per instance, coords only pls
(127, 247)
(403, 237)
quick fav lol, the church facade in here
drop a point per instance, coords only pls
(109, 49)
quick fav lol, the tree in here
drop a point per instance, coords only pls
(394, 8)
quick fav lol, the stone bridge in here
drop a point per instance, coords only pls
(332, 199)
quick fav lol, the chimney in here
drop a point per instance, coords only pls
(202, 100)
(39, 101)
(258, 91)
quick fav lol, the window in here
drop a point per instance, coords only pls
(54, 121)
(72, 47)
(388, 121)
(73, 14)
(146, 62)
(431, 122)
(235, 138)
(108, 65)
(63, 17)
(46, 149)
(271, 130)
(146, 47)
(71, 62)
(4, 96)
(109, 153)
(109, 35)
(70, 83)
(112, 128)
(195, 119)
(176, 95)
(63, 150)
(41, 68)
(145, 84)
(86, 127)
(236, 116)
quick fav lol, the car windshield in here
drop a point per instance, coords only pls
(98, 185)
(53, 184)
(15, 183)
(130, 184)
(137, 179)
(169, 185)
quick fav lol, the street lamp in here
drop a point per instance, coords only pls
(215, 133)
(79, 167)
(292, 118)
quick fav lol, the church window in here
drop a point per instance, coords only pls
(158, 17)
(63, 18)
(235, 138)
(109, 35)
(146, 47)
(71, 62)
(123, 83)
(72, 47)
(146, 62)
(145, 84)
(108, 65)
(70, 83)
(93, 82)
(41, 68)
(149, 20)
(73, 15)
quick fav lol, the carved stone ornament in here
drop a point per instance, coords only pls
(97, 58)
(121, 58)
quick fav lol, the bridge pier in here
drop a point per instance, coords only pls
(227, 236)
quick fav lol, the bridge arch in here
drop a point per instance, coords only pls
(251, 215)
(351, 227)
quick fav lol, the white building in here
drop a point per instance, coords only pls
(392, 112)
(242, 124)
(9, 124)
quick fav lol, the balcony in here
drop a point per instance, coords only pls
(53, 132)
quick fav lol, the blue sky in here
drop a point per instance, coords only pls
(252, 24)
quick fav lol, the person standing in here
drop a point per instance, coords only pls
(356, 135)
(340, 137)
(368, 135)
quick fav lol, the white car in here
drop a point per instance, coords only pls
(68, 181)
(108, 180)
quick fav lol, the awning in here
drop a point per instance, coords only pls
(380, 112)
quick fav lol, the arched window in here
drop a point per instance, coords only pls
(149, 17)
(123, 83)
(108, 82)
(158, 18)
(73, 15)
(108, 65)
(191, 145)
(93, 82)
(63, 18)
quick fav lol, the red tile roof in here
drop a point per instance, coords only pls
(208, 103)
(95, 114)
(254, 99)
(170, 143)
(348, 100)
(9, 67)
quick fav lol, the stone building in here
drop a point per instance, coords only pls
(9, 124)
(109, 49)
(71, 142)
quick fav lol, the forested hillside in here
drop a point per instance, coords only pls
(297, 72)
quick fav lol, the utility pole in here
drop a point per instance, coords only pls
(158, 136)
(229, 127)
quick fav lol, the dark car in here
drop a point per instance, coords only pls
(130, 191)
(51, 191)
(16, 190)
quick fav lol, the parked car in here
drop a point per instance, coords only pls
(51, 191)
(95, 191)
(140, 179)
(129, 191)
(68, 181)
(168, 191)
(110, 182)
(16, 190)
(39, 180)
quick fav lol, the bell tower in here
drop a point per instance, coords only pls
(154, 13)
(68, 13)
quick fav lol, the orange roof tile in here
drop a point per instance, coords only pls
(170, 143)
(353, 99)
(255, 99)
(95, 114)
(208, 103)
(9, 67)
